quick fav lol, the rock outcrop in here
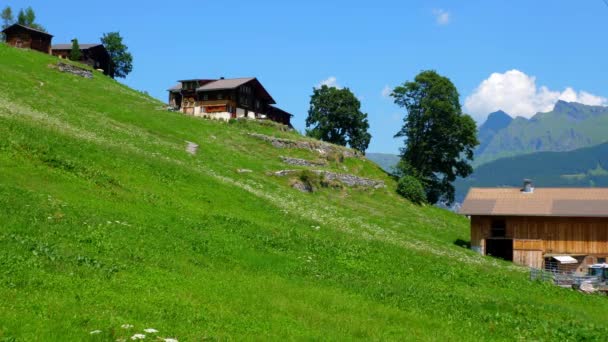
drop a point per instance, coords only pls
(72, 69)
(344, 178)
(320, 147)
(302, 162)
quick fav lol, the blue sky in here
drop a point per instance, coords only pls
(520, 56)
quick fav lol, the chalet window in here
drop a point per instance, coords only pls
(205, 97)
(498, 228)
(257, 104)
(220, 96)
(601, 260)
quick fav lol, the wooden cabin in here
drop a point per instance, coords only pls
(566, 227)
(226, 99)
(94, 55)
(21, 36)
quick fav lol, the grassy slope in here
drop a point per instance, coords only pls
(107, 220)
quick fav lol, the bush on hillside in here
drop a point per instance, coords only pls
(411, 188)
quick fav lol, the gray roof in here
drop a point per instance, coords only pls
(175, 88)
(225, 84)
(69, 46)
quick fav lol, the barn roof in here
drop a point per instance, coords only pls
(232, 83)
(14, 26)
(69, 46)
(560, 202)
(279, 110)
(176, 88)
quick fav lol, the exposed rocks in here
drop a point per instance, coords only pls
(243, 170)
(282, 173)
(344, 178)
(75, 70)
(302, 162)
(320, 147)
(351, 180)
(304, 187)
(191, 147)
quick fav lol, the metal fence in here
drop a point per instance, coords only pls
(563, 278)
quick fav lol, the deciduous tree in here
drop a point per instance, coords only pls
(439, 138)
(7, 20)
(335, 117)
(121, 59)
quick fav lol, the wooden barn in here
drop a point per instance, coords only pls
(94, 55)
(226, 99)
(564, 227)
(21, 36)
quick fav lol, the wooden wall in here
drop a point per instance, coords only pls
(535, 236)
(28, 40)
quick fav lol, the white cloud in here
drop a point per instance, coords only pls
(331, 81)
(386, 91)
(517, 94)
(442, 17)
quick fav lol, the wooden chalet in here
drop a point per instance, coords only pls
(21, 36)
(540, 227)
(94, 55)
(226, 99)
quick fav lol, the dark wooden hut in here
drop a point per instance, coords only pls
(21, 36)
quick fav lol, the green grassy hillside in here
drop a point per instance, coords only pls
(106, 220)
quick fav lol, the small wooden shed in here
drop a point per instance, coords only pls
(534, 227)
(28, 38)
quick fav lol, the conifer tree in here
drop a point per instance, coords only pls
(75, 53)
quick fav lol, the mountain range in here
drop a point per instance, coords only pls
(567, 146)
(567, 127)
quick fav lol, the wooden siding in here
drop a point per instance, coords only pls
(529, 258)
(545, 235)
(27, 40)
(528, 245)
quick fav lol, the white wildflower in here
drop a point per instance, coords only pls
(94, 332)
(169, 339)
(151, 330)
(127, 326)
(138, 337)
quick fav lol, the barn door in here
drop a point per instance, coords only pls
(500, 248)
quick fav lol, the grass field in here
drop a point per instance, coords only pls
(106, 220)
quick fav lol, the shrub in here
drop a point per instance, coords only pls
(411, 188)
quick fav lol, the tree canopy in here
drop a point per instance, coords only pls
(75, 53)
(27, 18)
(335, 117)
(7, 17)
(439, 138)
(7, 20)
(120, 58)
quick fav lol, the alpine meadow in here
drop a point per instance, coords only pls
(110, 225)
